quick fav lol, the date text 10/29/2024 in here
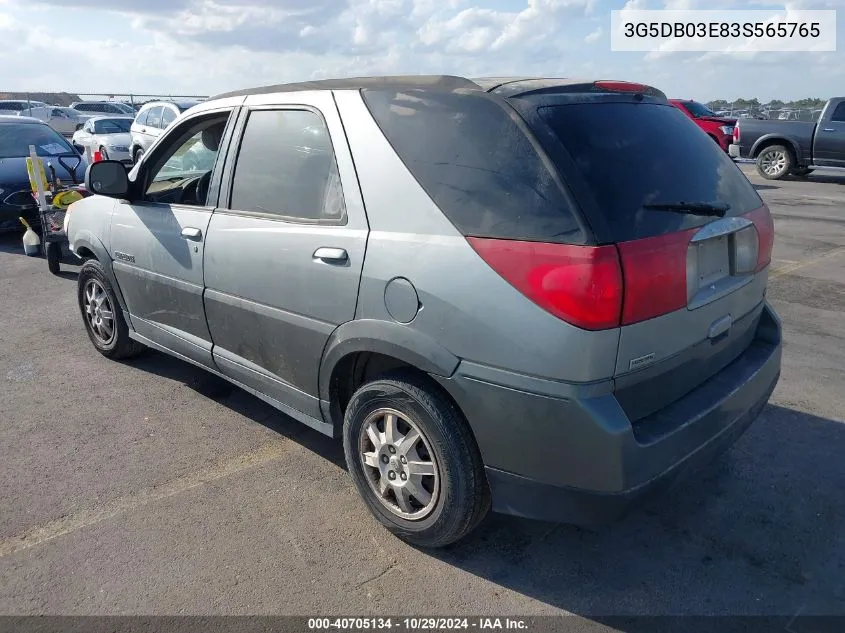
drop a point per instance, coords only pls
(416, 624)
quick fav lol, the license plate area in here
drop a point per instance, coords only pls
(713, 260)
(711, 269)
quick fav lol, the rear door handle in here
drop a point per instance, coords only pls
(331, 255)
(191, 233)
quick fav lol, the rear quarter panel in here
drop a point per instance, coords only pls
(463, 304)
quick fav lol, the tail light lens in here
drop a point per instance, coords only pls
(580, 284)
(765, 226)
(603, 287)
(736, 133)
(746, 251)
(655, 274)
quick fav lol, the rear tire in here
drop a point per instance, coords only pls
(53, 253)
(774, 162)
(102, 315)
(436, 491)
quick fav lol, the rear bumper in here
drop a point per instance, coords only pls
(734, 150)
(575, 458)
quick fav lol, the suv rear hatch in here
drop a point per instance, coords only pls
(693, 237)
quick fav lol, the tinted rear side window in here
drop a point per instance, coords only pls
(632, 154)
(473, 159)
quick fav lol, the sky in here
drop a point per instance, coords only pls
(204, 47)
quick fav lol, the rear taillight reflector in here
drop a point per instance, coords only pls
(765, 226)
(736, 133)
(655, 273)
(580, 284)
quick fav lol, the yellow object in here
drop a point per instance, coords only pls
(34, 175)
(64, 199)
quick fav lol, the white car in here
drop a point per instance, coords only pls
(107, 134)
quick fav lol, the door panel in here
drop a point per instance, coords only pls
(271, 304)
(829, 145)
(160, 272)
(158, 240)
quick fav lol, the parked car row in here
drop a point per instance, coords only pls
(542, 295)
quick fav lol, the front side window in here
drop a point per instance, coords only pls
(286, 167)
(839, 112)
(181, 173)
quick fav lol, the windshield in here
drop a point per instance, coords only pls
(698, 109)
(636, 158)
(15, 139)
(112, 126)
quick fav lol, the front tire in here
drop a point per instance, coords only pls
(414, 461)
(774, 162)
(102, 315)
(53, 253)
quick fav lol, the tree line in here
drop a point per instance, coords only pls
(774, 104)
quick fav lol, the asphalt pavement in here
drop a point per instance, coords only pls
(147, 487)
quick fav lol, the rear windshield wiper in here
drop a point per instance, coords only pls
(692, 208)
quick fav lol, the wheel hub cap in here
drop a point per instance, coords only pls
(98, 312)
(774, 162)
(399, 464)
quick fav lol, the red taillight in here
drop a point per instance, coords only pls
(620, 86)
(765, 226)
(580, 284)
(655, 273)
(736, 133)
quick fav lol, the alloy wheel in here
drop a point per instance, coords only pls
(399, 464)
(98, 312)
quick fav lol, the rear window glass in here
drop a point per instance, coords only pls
(632, 154)
(475, 162)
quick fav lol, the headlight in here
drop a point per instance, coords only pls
(118, 148)
(727, 130)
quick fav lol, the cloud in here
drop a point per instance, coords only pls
(594, 36)
(211, 46)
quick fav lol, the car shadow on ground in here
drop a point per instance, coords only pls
(760, 531)
(238, 400)
(831, 179)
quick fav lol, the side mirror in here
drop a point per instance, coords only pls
(107, 178)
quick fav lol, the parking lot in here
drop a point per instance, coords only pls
(149, 488)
